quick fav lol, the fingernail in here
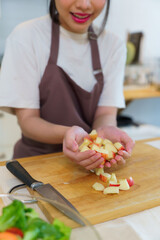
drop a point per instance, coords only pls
(107, 164)
(120, 152)
(118, 157)
(101, 166)
(113, 161)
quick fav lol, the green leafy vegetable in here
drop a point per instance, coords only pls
(13, 216)
(18, 215)
(62, 228)
(30, 213)
(37, 228)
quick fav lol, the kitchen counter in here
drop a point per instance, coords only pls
(139, 92)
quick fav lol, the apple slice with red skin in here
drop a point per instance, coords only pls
(124, 184)
(114, 185)
(130, 181)
(119, 146)
(103, 178)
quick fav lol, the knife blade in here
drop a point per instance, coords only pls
(46, 190)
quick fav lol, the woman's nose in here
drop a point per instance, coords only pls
(83, 4)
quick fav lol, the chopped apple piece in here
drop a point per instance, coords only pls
(103, 178)
(111, 155)
(84, 148)
(99, 171)
(106, 141)
(113, 178)
(104, 153)
(130, 181)
(86, 142)
(112, 182)
(94, 147)
(111, 190)
(124, 184)
(106, 175)
(110, 147)
(98, 141)
(93, 135)
(98, 186)
(119, 146)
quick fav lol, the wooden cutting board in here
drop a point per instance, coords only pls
(75, 184)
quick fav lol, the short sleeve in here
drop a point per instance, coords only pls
(19, 77)
(113, 70)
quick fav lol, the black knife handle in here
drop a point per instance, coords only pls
(18, 171)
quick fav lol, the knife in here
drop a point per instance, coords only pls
(46, 190)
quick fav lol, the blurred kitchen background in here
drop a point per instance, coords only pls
(135, 21)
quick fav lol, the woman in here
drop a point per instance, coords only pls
(61, 81)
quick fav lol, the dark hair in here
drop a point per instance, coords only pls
(53, 11)
(54, 14)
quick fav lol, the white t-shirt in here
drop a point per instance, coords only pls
(27, 53)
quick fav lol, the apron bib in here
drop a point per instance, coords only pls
(62, 101)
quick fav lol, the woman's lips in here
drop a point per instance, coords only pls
(80, 17)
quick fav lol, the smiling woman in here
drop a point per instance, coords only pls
(84, 15)
(62, 80)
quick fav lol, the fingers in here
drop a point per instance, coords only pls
(77, 156)
(90, 164)
(88, 159)
(129, 146)
(118, 160)
(123, 153)
(84, 156)
(96, 160)
(113, 162)
(128, 143)
(71, 144)
(108, 164)
(72, 138)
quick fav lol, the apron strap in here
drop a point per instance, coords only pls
(96, 63)
(54, 43)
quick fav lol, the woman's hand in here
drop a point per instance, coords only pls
(115, 134)
(73, 138)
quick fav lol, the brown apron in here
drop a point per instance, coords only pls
(62, 101)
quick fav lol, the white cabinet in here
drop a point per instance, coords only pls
(9, 134)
